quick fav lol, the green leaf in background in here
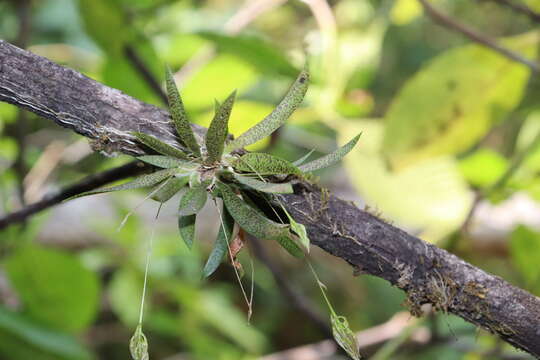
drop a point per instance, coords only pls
(454, 100)
(290, 102)
(54, 287)
(193, 200)
(141, 181)
(483, 167)
(171, 188)
(219, 129)
(525, 250)
(221, 245)
(405, 11)
(179, 116)
(431, 195)
(186, 226)
(331, 158)
(254, 50)
(264, 164)
(124, 293)
(22, 338)
(268, 187)
(159, 146)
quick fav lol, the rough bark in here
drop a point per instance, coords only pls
(427, 274)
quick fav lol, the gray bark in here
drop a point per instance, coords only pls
(429, 275)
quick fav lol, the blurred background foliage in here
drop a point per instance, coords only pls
(448, 125)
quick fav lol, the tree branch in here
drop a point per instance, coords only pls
(473, 35)
(427, 274)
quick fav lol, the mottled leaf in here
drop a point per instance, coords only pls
(138, 345)
(193, 200)
(139, 182)
(288, 243)
(221, 246)
(160, 146)
(167, 162)
(218, 130)
(331, 158)
(277, 117)
(303, 158)
(269, 187)
(186, 226)
(168, 190)
(250, 220)
(264, 164)
(179, 116)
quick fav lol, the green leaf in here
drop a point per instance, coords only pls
(160, 146)
(525, 250)
(179, 116)
(193, 200)
(454, 100)
(218, 130)
(138, 345)
(299, 229)
(222, 243)
(255, 50)
(54, 287)
(22, 338)
(277, 117)
(139, 182)
(264, 164)
(344, 335)
(303, 158)
(167, 162)
(186, 226)
(171, 188)
(269, 187)
(250, 220)
(288, 242)
(331, 158)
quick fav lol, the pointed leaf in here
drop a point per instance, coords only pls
(288, 243)
(193, 200)
(250, 220)
(331, 158)
(138, 345)
(160, 146)
(303, 158)
(186, 226)
(166, 162)
(264, 164)
(139, 182)
(218, 130)
(222, 244)
(277, 117)
(170, 189)
(179, 116)
(275, 188)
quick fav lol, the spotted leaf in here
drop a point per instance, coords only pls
(264, 164)
(331, 158)
(160, 146)
(218, 130)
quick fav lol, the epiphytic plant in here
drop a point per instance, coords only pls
(218, 167)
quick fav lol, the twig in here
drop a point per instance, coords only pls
(90, 183)
(473, 35)
(144, 71)
(301, 303)
(520, 8)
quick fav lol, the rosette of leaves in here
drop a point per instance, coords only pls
(218, 167)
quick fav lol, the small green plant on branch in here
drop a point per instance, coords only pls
(217, 167)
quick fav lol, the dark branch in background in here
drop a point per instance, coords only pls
(519, 8)
(473, 35)
(90, 183)
(429, 275)
(144, 71)
(302, 304)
